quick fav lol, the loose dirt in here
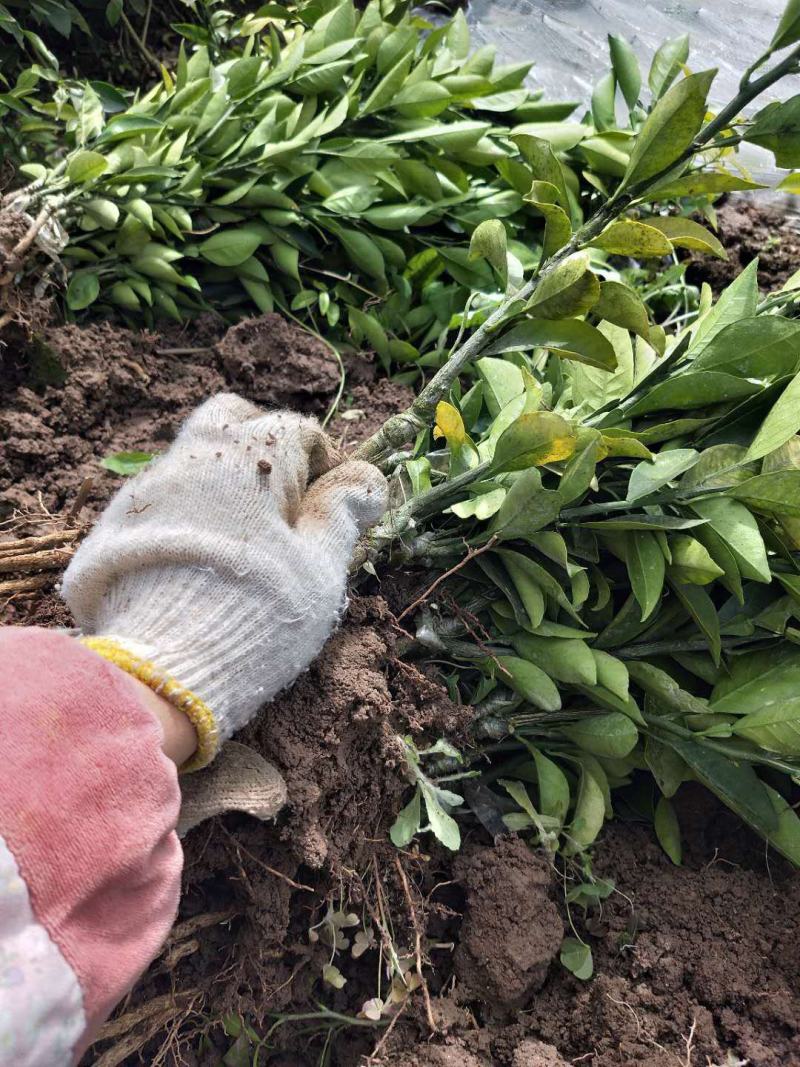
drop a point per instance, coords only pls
(748, 230)
(695, 966)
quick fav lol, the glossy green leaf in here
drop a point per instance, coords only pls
(646, 568)
(83, 290)
(230, 248)
(86, 166)
(648, 477)
(667, 63)
(669, 128)
(570, 339)
(626, 69)
(777, 493)
(621, 305)
(736, 784)
(530, 681)
(685, 233)
(692, 390)
(570, 289)
(668, 830)
(628, 238)
(126, 462)
(407, 822)
(758, 347)
(576, 957)
(568, 661)
(534, 439)
(610, 736)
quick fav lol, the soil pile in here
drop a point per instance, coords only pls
(694, 966)
(76, 394)
(748, 230)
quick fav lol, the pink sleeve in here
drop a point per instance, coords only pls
(90, 864)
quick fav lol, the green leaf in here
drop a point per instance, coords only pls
(590, 806)
(667, 63)
(669, 128)
(622, 306)
(610, 736)
(646, 567)
(569, 660)
(668, 830)
(553, 785)
(126, 462)
(558, 228)
(489, 242)
(701, 608)
(788, 30)
(362, 252)
(545, 167)
(691, 562)
(528, 507)
(666, 766)
(757, 678)
(612, 673)
(86, 166)
(777, 127)
(781, 424)
(442, 825)
(530, 592)
(777, 493)
(502, 382)
(230, 248)
(534, 439)
(83, 290)
(759, 347)
(407, 822)
(736, 784)
(734, 524)
(648, 477)
(684, 233)
(576, 956)
(569, 339)
(775, 726)
(529, 681)
(603, 111)
(738, 301)
(569, 290)
(693, 390)
(703, 183)
(626, 69)
(786, 836)
(628, 238)
(580, 471)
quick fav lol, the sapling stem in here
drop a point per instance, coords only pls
(402, 427)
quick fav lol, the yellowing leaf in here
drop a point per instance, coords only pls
(449, 425)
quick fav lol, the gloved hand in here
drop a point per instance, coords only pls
(217, 573)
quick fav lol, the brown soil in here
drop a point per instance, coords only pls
(697, 966)
(748, 229)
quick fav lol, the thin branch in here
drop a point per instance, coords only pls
(417, 945)
(145, 51)
(402, 427)
(471, 554)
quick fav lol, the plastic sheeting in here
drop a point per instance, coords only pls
(567, 40)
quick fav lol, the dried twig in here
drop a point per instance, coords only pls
(417, 945)
(24, 585)
(473, 552)
(52, 559)
(270, 870)
(32, 544)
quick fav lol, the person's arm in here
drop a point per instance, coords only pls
(90, 864)
(210, 582)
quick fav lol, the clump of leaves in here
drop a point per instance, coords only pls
(336, 164)
(629, 499)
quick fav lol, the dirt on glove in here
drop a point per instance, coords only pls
(694, 966)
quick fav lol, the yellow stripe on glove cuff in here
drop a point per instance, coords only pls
(198, 712)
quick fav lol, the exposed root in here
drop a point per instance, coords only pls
(417, 945)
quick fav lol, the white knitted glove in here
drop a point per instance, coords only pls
(217, 573)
